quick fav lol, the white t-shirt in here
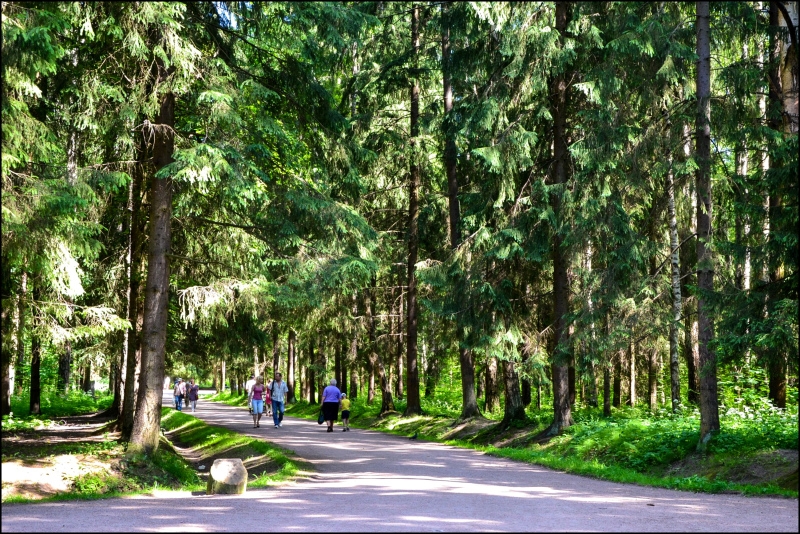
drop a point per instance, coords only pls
(249, 384)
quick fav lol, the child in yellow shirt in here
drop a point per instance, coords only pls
(344, 405)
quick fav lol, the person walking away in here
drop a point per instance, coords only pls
(344, 404)
(278, 391)
(267, 399)
(330, 403)
(256, 399)
(178, 393)
(247, 387)
(193, 392)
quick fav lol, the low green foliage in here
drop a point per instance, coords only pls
(12, 423)
(55, 404)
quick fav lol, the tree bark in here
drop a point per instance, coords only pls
(652, 379)
(677, 303)
(562, 412)
(412, 373)
(147, 419)
(631, 362)
(337, 362)
(618, 379)
(290, 363)
(20, 333)
(709, 408)
(492, 399)
(376, 362)
(469, 400)
(132, 356)
(353, 388)
(36, 355)
(514, 410)
(312, 379)
(7, 327)
(276, 350)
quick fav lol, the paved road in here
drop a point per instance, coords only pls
(368, 481)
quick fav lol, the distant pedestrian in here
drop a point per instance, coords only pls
(330, 403)
(278, 391)
(193, 392)
(178, 392)
(247, 387)
(267, 398)
(345, 406)
(256, 398)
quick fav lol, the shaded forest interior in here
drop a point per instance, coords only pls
(487, 209)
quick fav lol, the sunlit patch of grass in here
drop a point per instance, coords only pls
(211, 441)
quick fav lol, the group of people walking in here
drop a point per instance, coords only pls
(185, 393)
(271, 397)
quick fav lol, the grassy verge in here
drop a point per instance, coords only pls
(116, 473)
(751, 455)
(267, 464)
(226, 397)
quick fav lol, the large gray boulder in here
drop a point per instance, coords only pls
(227, 475)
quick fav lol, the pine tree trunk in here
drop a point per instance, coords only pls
(312, 378)
(132, 355)
(290, 364)
(147, 419)
(399, 353)
(353, 364)
(276, 350)
(514, 409)
(469, 400)
(677, 303)
(337, 362)
(412, 373)
(86, 385)
(631, 361)
(562, 413)
(20, 332)
(526, 385)
(709, 409)
(7, 329)
(618, 379)
(343, 382)
(652, 379)
(376, 362)
(492, 400)
(606, 391)
(36, 355)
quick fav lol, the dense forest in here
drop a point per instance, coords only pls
(529, 205)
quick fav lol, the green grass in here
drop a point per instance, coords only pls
(227, 397)
(54, 404)
(210, 441)
(632, 446)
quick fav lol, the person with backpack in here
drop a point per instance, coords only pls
(278, 391)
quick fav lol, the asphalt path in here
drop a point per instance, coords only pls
(374, 482)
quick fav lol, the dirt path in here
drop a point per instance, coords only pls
(368, 481)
